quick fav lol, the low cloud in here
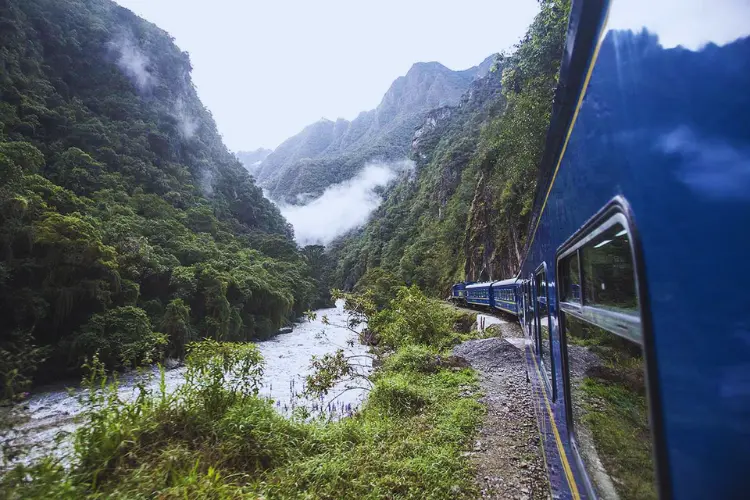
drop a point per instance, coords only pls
(187, 125)
(342, 207)
(206, 181)
(133, 62)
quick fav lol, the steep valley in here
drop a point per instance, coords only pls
(130, 236)
(464, 215)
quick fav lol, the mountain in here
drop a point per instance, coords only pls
(464, 213)
(328, 152)
(252, 159)
(127, 228)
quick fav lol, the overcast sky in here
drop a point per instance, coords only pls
(268, 68)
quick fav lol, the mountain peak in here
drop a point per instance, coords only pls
(427, 66)
(326, 152)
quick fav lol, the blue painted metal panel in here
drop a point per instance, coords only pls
(667, 127)
(503, 304)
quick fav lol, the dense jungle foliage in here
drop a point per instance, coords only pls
(464, 214)
(126, 227)
(215, 438)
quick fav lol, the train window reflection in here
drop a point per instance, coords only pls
(610, 410)
(545, 343)
(608, 275)
(570, 279)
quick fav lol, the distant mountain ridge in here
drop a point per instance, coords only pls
(252, 159)
(328, 152)
(465, 212)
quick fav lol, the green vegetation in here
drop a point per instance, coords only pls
(214, 438)
(126, 227)
(466, 213)
(610, 402)
(618, 419)
(415, 320)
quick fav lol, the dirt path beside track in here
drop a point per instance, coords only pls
(506, 452)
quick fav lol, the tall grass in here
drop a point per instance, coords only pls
(215, 438)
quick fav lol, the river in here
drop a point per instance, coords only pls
(50, 414)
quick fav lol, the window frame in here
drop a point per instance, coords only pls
(623, 324)
(549, 372)
(617, 210)
(533, 312)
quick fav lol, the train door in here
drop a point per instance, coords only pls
(527, 307)
(544, 331)
(534, 319)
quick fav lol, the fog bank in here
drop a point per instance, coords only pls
(342, 207)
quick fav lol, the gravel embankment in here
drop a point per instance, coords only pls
(507, 453)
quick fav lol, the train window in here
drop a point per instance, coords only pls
(609, 410)
(545, 339)
(532, 313)
(608, 277)
(606, 395)
(570, 279)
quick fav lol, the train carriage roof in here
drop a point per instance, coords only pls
(508, 282)
(484, 284)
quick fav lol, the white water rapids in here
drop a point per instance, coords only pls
(53, 410)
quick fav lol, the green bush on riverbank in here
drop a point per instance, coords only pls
(214, 438)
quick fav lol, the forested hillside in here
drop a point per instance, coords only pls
(328, 152)
(465, 212)
(127, 228)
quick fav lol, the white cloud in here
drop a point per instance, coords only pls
(187, 125)
(688, 23)
(710, 167)
(342, 207)
(133, 62)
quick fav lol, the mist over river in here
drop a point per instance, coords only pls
(50, 412)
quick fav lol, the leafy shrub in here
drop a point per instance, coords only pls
(397, 395)
(19, 359)
(380, 284)
(223, 372)
(412, 358)
(413, 318)
(176, 324)
(254, 436)
(122, 337)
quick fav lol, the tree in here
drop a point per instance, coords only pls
(176, 324)
(120, 337)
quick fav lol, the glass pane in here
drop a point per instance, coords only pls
(570, 279)
(544, 334)
(610, 411)
(608, 276)
(532, 313)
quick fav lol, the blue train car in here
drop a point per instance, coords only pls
(632, 286)
(505, 296)
(480, 294)
(458, 292)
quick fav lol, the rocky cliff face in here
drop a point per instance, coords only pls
(328, 152)
(419, 232)
(465, 212)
